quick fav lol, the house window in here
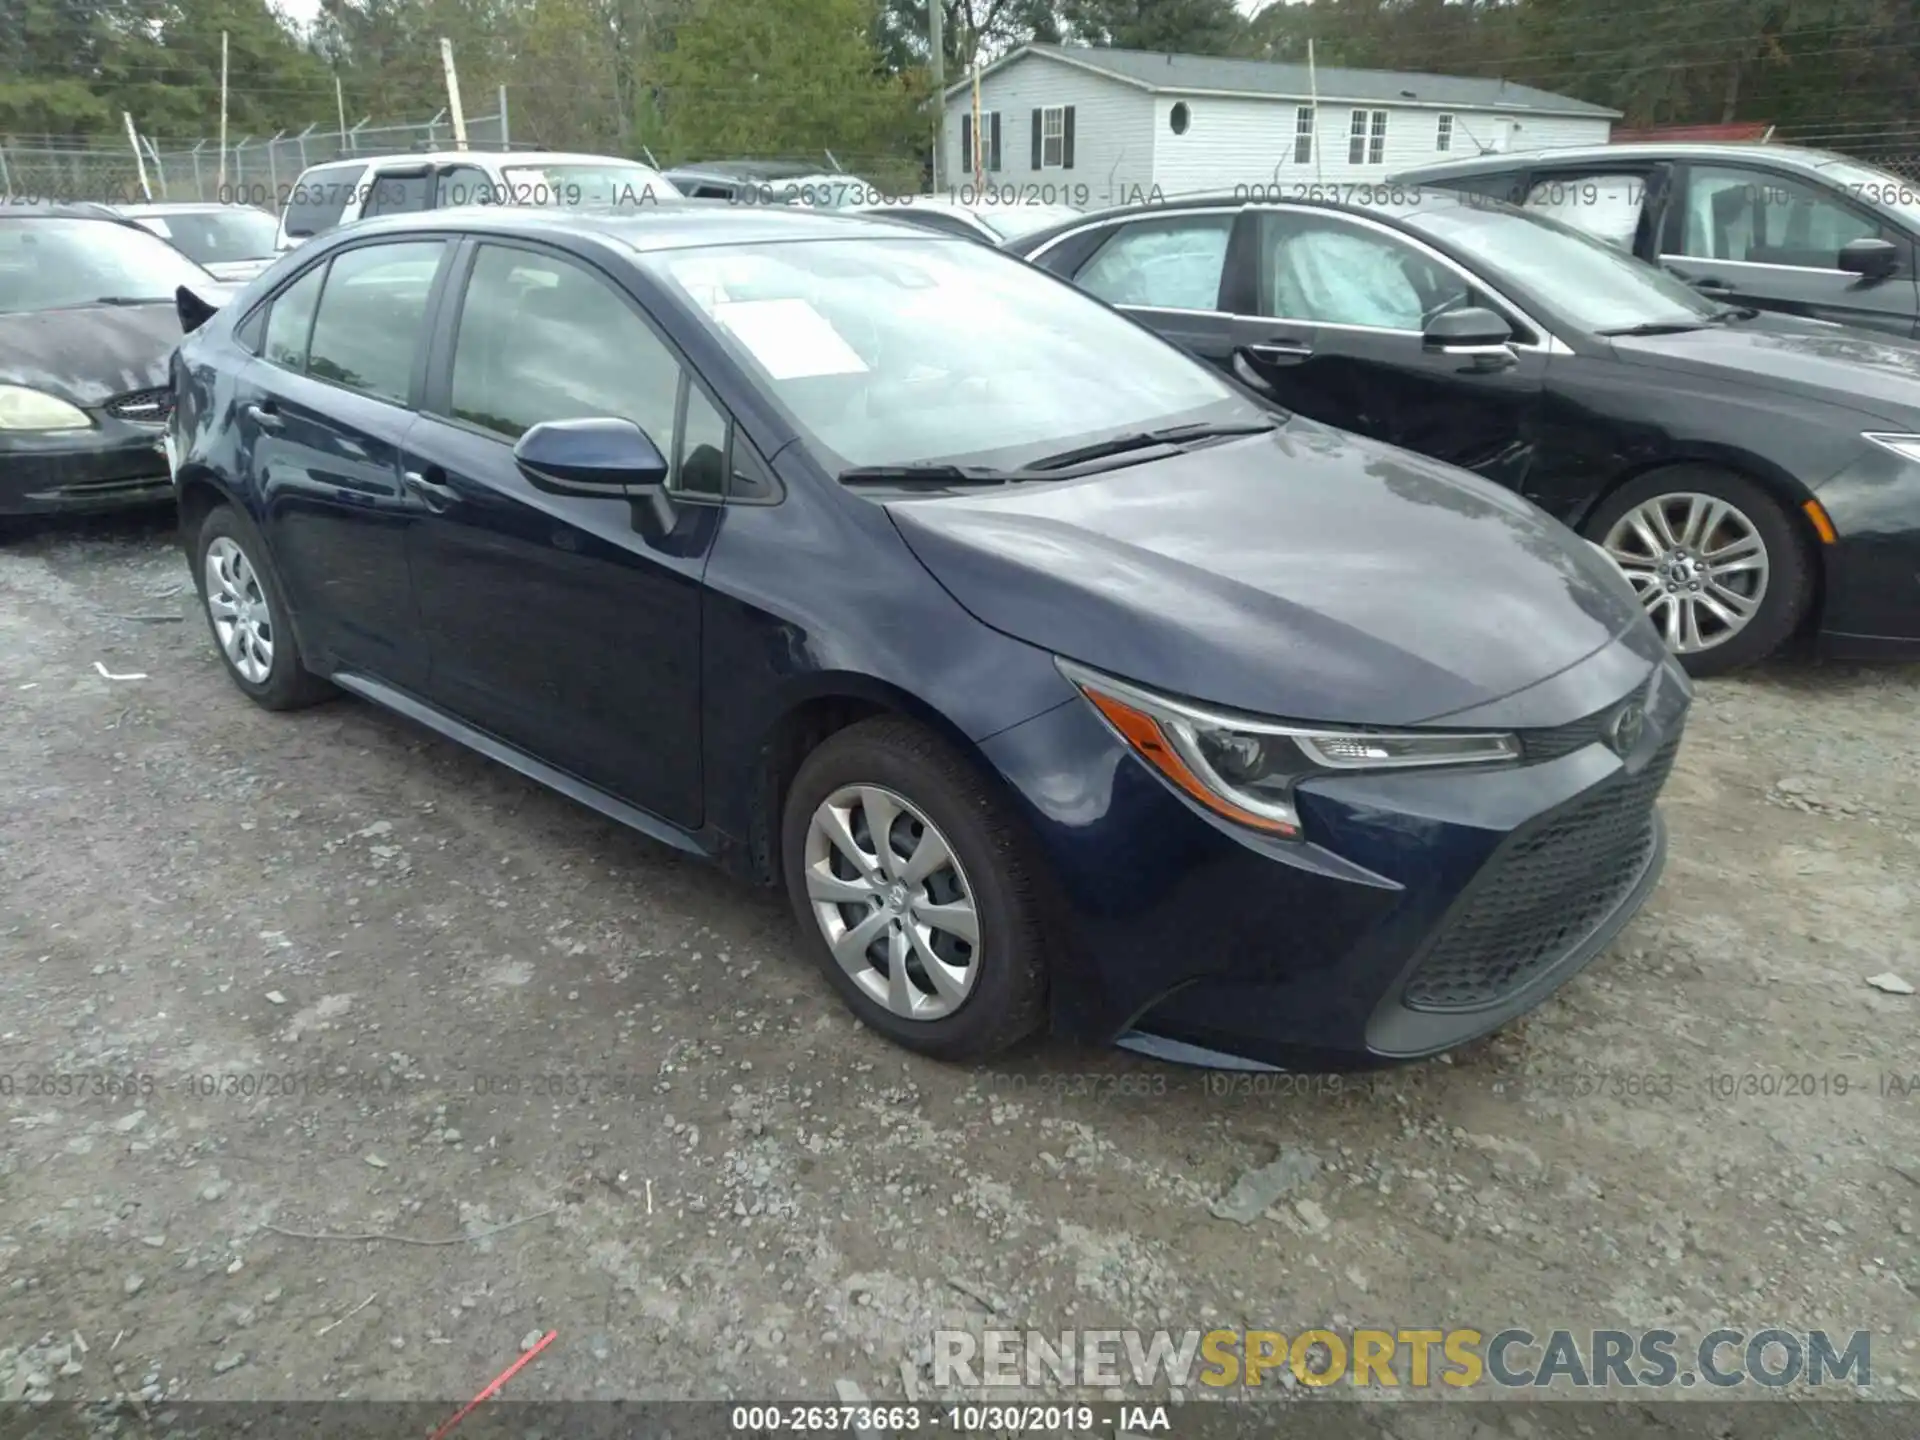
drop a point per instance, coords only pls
(1443, 138)
(989, 139)
(1303, 135)
(1053, 137)
(1367, 138)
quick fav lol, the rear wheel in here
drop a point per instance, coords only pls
(247, 613)
(914, 890)
(1720, 565)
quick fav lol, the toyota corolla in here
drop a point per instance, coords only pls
(1054, 676)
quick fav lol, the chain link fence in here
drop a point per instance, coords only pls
(259, 169)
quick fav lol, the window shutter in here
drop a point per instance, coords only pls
(966, 143)
(1036, 140)
(993, 141)
(1066, 140)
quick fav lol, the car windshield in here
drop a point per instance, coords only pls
(570, 186)
(1600, 287)
(212, 237)
(1877, 187)
(57, 264)
(1010, 222)
(911, 351)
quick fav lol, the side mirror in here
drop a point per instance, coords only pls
(1466, 330)
(1874, 259)
(598, 458)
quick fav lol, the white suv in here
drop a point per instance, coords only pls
(330, 195)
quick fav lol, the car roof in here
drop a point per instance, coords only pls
(1794, 156)
(454, 157)
(60, 210)
(744, 169)
(657, 225)
(181, 207)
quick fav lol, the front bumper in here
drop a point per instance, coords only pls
(1870, 608)
(1428, 907)
(115, 466)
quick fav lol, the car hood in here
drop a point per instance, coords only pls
(1306, 574)
(89, 354)
(1877, 374)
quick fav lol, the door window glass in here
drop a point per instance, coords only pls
(1169, 264)
(373, 312)
(702, 467)
(543, 339)
(1607, 207)
(1765, 219)
(290, 318)
(1330, 272)
(399, 194)
(463, 185)
(318, 199)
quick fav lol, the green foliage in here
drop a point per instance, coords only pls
(1191, 27)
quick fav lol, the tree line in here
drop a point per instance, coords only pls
(685, 78)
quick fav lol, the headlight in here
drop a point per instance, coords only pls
(24, 409)
(1907, 447)
(1244, 768)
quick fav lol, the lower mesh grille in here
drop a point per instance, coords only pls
(1543, 894)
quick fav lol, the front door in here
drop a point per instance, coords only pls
(1770, 240)
(565, 626)
(1331, 323)
(1166, 271)
(322, 420)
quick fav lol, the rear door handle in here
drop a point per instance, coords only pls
(1279, 352)
(265, 416)
(437, 494)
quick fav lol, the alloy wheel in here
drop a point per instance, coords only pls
(1698, 564)
(237, 602)
(892, 900)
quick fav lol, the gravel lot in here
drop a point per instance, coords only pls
(364, 981)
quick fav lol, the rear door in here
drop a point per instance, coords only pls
(567, 626)
(1764, 238)
(1167, 270)
(1332, 326)
(325, 410)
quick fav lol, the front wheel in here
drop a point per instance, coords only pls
(915, 892)
(1721, 566)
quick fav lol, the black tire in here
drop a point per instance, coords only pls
(288, 684)
(1007, 1003)
(1790, 561)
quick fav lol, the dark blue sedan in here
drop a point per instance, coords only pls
(1053, 675)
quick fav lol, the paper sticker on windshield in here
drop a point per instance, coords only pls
(790, 338)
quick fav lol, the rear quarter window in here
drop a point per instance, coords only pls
(319, 198)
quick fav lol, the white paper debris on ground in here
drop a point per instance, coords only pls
(1890, 982)
(107, 674)
(790, 338)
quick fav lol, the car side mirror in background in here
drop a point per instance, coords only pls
(603, 458)
(1874, 259)
(1466, 331)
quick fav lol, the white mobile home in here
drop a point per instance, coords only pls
(1095, 127)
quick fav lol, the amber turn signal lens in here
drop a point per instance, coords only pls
(1143, 732)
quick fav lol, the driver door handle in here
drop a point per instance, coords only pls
(435, 492)
(265, 415)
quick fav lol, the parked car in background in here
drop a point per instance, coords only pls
(985, 219)
(341, 191)
(1048, 671)
(1753, 474)
(232, 242)
(88, 317)
(1774, 226)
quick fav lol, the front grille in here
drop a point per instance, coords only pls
(151, 407)
(1542, 894)
(1551, 744)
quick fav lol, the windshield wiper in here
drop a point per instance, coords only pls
(1147, 439)
(128, 300)
(935, 473)
(1734, 312)
(1658, 327)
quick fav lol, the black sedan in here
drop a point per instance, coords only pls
(87, 321)
(1049, 672)
(1755, 475)
(1780, 227)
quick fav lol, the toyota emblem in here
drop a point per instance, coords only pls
(1627, 728)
